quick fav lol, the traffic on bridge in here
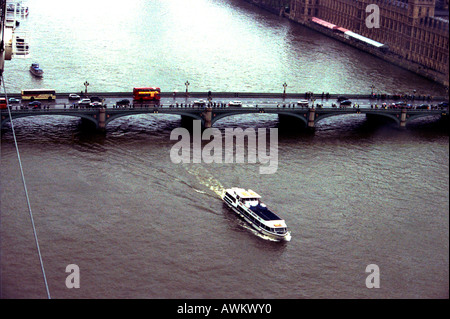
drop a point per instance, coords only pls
(101, 108)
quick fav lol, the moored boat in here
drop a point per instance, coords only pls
(36, 70)
(248, 205)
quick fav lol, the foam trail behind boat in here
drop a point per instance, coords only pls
(206, 179)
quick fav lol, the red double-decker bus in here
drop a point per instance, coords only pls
(3, 104)
(147, 94)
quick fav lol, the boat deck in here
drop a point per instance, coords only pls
(264, 212)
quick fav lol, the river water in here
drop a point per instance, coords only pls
(138, 225)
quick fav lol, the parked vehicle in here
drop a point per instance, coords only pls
(235, 104)
(85, 102)
(146, 94)
(123, 102)
(39, 94)
(200, 103)
(96, 104)
(73, 96)
(35, 104)
(303, 103)
(13, 100)
(96, 99)
(3, 104)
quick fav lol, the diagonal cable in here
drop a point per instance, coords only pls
(26, 191)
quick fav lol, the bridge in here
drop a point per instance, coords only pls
(285, 107)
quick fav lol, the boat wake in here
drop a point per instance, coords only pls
(207, 180)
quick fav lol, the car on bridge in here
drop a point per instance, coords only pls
(13, 100)
(200, 103)
(443, 105)
(346, 102)
(423, 107)
(3, 104)
(84, 102)
(35, 105)
(73, 96)
(235, 104)
(123, 102)
(398, 105)
(303, 103)
(96, 99)
(96, 104)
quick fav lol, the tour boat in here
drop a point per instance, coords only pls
(36, 70)
(248, 205)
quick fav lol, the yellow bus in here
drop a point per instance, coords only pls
(38, 94)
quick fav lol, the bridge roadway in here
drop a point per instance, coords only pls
(285, 106)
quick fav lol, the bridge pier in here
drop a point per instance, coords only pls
(102, 119)
(311, 117)
(403, 118)
(207, 115)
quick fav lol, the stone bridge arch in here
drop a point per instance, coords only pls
(395, 118)
(90, 118)
(219, 116)
(410, 118)
(113, 116)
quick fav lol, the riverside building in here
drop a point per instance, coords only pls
(408, 33)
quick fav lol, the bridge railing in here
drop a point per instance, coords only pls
(233, 95)
(219, 108)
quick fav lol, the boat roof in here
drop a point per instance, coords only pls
(265, 213)
(242, 193)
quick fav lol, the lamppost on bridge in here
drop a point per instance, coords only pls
(284, 90)
(187, 85)
(372, 87)
(86, 84)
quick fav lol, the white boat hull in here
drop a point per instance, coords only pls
(280, 237)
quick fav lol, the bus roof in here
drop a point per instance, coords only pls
(147, 88)
(38, 90)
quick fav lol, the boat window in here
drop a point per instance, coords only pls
(252, 201)
(229, 197)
